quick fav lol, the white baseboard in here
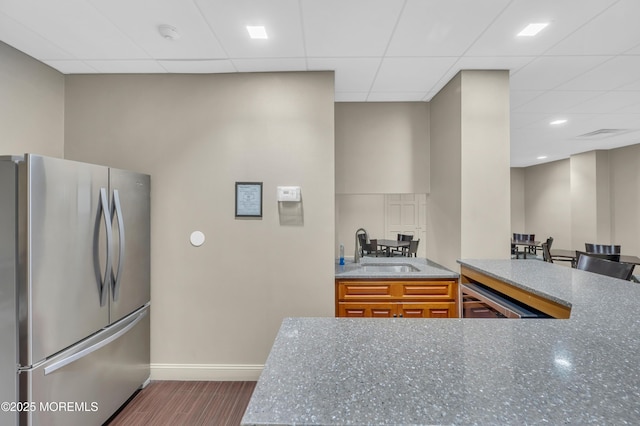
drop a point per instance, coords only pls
(209, 372)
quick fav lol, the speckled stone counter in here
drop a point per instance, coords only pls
(582, 370)
(426, 268)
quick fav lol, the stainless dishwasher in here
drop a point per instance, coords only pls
(479, 301)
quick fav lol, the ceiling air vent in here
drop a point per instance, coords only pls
(603, 133)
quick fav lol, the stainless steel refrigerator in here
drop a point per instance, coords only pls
(74, 290)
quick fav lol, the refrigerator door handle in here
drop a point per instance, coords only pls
(104, 285)
(115, 283)
(81, 354)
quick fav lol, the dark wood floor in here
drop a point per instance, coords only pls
(186, 403)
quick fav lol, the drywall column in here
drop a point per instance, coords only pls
(590, 199)
(517, 200)
(31, 105)
(469, 214)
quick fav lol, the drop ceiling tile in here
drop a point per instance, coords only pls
(564, 18)
(634, 51)
(615, 121)
(557, 101)
(71, 67)
(270, 64)
(608, 102)
(83, 31)
(518, 98)
(358, 28)
(631, 109)
(281, 18)
(612, 32)
(127, 67)
(522, 120)
(198, 67)
(437, 28)
(28, 41)
(351, 96)
(410, 74)
(631, 86)
(511, 63)
(548, 72)
(352, 74)
(609, 75)
(140, 23)
(395, 97)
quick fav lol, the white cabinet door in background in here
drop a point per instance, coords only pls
(406, 214)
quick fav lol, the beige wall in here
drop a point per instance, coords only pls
(354, 211)
(382, 147)
(31, 105)
(216, 309)
(548, 202)
(591, 197)
(444, 201)
(590, 201)
(624, 166)
(468, 209)
(603, 200)
(518, 212)
(486, 188)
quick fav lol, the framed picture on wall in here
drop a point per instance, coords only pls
(248, 199)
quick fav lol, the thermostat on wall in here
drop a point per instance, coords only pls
(288, 193)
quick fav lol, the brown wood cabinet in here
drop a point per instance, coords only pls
(549, 307)
(387, 298)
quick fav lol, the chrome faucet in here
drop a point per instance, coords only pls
(356, 256)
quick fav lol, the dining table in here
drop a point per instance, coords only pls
(528, 244)
(570, 255)
(387, 245)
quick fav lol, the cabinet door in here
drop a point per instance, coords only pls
(427, 310)
(367, 310)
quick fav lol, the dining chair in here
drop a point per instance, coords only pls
(546, 250)
(413, 248)
(589, 262)
(373, 247)
(362, 239)
(614, 257)
(402, 251)
(602, 248)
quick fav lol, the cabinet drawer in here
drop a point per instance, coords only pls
(427, 310)
(364, 290)
(428, 290)
(367, 310)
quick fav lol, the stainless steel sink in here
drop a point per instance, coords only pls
(386, 267)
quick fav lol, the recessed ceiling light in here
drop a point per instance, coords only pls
(257, 32)
(557, 122)
(532, 29)
(542, 157)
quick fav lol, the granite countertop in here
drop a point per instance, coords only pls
(348, 371)
(426, 268)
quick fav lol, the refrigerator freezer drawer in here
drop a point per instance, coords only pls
(86, 384)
